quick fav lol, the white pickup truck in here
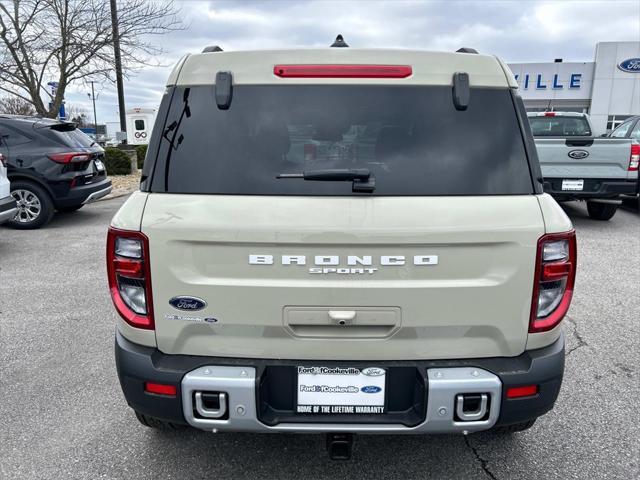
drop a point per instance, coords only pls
(577, 166)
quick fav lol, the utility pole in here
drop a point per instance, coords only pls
(118, 65)
(95, 118)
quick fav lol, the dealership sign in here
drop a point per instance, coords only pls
(540, 83)
(631, 65)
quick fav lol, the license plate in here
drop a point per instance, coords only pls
(572, 184)
(338, 390)
(99, 165)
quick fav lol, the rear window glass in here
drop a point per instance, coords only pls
(70, 138)
(139, 124)
(411, 139)
(560, 127)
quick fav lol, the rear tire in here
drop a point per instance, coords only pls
(156, 423)
(515, 428)
(69, 209)
(601, 211)
(35, 207)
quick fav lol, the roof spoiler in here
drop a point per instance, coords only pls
(467, 50)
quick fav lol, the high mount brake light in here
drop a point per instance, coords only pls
(549, 114)
(70, 157)
(129, 273)
(342, 71)
(555, 276)
(634, 158)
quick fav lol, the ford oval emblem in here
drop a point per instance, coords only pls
(631, 65)
(373, 371)
(371, 389)
(187, 303)
(578, 154)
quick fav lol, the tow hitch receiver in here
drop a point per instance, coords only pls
(339, 445)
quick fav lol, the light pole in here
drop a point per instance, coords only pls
(118, 65)
(95, 118)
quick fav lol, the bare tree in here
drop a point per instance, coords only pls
(16, 106)
(78, 115)
(69, 41)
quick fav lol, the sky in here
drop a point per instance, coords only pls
(517, 31)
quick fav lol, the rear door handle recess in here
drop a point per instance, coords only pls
(342, 317)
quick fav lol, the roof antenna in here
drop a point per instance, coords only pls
(339, 42)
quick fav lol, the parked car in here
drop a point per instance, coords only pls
(7, 202)
(415, 286)
(52, 166)
(630, 129)
(577, 166)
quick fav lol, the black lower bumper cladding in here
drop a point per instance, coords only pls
(275, 389)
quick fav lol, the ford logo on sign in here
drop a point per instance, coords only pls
(373, 371)
(578, 154)
(630, 65)
(371, 389)
(187, 303)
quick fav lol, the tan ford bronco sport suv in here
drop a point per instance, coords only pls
(344, 241)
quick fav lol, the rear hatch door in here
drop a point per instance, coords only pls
(436, 261)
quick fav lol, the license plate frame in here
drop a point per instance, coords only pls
(572, 185)
(341, 390)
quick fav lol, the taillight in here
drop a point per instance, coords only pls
(342, 71)
(70, 157)
(555, 276)
(634, 159)
(130, 276)
(3, 160)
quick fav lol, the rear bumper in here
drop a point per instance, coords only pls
(84, 194)
(253, 406)
(593, 188)
(7, 209)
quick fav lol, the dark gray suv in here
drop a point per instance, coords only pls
(51, 165)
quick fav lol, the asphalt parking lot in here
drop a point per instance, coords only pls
(64, 416)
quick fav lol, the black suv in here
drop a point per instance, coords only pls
(52, 165)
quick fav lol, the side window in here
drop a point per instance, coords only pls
(621, 131)
(635, 133)
(139, 124)
(12, 138)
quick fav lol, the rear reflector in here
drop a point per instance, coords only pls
(160, 389)
(342, 71)
(518, 392)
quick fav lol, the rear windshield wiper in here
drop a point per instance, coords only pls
(363, 180)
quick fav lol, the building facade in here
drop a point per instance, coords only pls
(608, 89)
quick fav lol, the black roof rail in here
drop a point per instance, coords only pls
(211, 48)
(467, 50)
(339, 42)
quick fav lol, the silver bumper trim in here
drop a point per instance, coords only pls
(239, 384)
(97, 195)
